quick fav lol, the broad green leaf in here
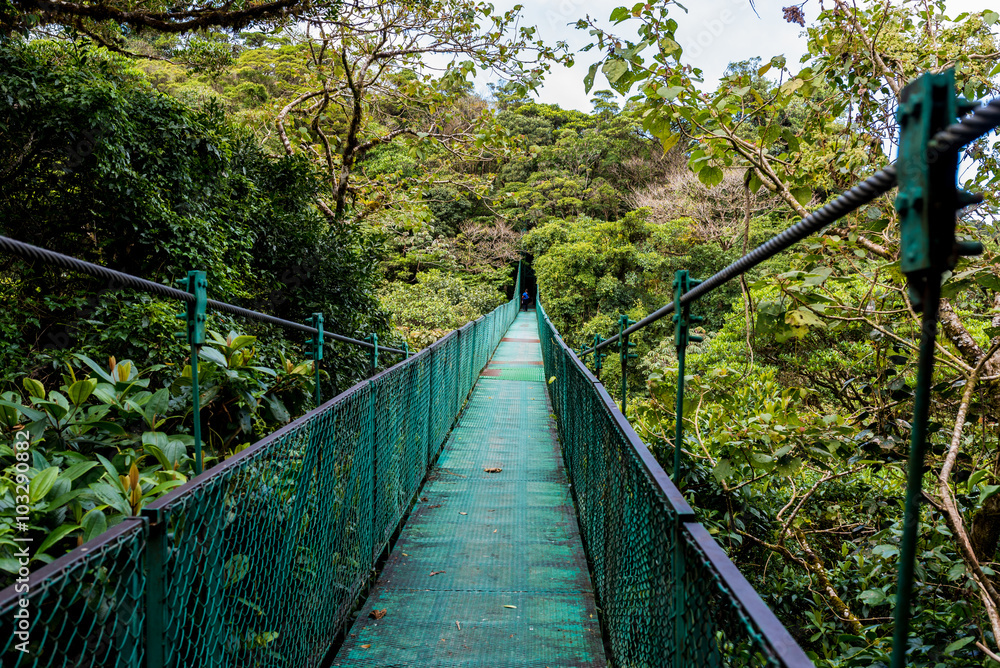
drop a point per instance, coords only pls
(802, 195)
(619, 14)
(157, 404)
(105, 393)
(989, 18)
(77, 470)
(94, 524)
(588, 81)
(723, 469)
(988, 281)
(34, 388)
(213, 355)
(885, 551)
(56, 536)
(163, 487)
(961, 642)
(803, 318)
(30, 413)
(242, 341)
(81, 390)
(42, 483)
(110, 496)
(614, 70)
(987, 492)
(157, 438)
(872, 596)
(711, 176)
(96, 368)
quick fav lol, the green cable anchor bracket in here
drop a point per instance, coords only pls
(373, 355)
(194, 331)
(682, 336)
(625, 354)
(314, 348)
(927, 202)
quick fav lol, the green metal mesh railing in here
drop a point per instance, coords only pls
(87, 611)
(260, 560)
(642, 540)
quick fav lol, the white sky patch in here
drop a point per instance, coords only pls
(713, 34)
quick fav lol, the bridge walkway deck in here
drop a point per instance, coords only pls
(489, 569)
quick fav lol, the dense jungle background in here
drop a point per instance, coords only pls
(337, 158)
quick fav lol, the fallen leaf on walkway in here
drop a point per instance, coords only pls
(493, 470)
(458, 625)
(492, 511)
(378, 614)
(433, 573)
(366, 646)
(423, 498)
(461, 513)
(494, 531)
(437, 506)
(511, 606)
(405, 554)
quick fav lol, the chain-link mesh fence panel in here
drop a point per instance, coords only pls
(641, 540)
(260, 560)
(86, 609)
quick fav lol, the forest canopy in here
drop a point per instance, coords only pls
(388, 165)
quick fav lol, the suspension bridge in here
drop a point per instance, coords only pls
(483, 502)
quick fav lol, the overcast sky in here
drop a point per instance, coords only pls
(713, 33)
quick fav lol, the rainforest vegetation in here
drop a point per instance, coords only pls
(349, 159)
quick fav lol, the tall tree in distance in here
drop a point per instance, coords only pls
(398, 72)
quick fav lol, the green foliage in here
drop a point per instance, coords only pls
(106, 441)
(108, 170)
(439, 302)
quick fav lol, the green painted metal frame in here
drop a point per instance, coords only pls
(927, 202)
(194, 331)
(624, 355)
(315, 350)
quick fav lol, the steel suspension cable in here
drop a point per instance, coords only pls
(29, 252)
(968, 129)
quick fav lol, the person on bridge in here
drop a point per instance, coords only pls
(524, 301)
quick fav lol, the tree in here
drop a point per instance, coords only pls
(375, 85)
(806, 136)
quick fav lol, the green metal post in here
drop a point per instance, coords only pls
(156, 593)
(406, 350)
(625, 354)
(598, 356)
(680, 601)
(194, 317)
(315, 345)
(373, 355)
(682, 336)
(926, 203)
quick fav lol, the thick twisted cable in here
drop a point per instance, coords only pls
(118, 278)
(861, 194)
(977, 124)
